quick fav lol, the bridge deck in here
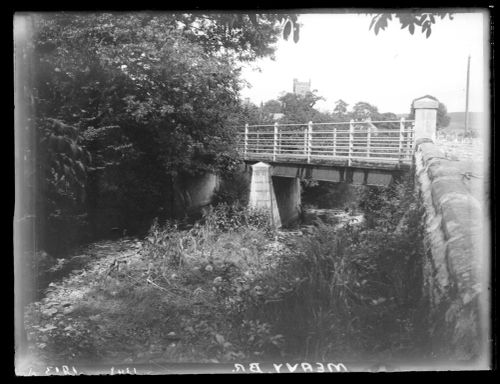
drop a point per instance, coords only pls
(389, 144)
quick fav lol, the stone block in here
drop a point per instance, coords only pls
(421, 141)
(429, 151)
(441, 189)
(443, 168)
(425, 103)
(460, 216)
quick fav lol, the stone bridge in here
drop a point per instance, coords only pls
(357, 152)
(455, 279)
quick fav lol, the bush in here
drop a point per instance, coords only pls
(352, 292)
(234, 189)
(224, 217)
(228, 291)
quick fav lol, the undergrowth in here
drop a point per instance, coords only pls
(227, 290)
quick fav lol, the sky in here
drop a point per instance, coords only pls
(345, 60)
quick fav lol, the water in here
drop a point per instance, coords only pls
(338, 217)
(331, 216)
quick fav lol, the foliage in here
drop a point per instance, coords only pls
(62, 166)
(271, 106)
(248, 36)
(234, 188)
(225, 217)
(149, 96)
(341, 293)
(340, 108)
(223, 290)
(170, 299)
(248, 113)
(363, 110)
(410, 20)
(298, 108)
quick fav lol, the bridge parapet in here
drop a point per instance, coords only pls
(454, 266)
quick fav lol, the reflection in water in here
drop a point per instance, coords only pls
(331, 216)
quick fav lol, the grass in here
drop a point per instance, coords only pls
(226, 290)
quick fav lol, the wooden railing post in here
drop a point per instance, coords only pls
(351, 142)
(334, 141)
(245, 151)
(368, 140)
(305, 142)
(401, 138)
(280, 140)
(275, 142)
(309, 140)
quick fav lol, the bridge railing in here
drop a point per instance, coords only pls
(388, 141)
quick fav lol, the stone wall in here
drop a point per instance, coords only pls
(195, 192)
(454, 267)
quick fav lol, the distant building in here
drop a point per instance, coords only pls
(301, 88)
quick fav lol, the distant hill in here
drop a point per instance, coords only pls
(457, 122)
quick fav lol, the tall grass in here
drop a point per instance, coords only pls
(351, 292)
(229, 291)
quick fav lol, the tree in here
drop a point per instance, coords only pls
(442, 118)
(363, 110)
(340, 108)
(300, 109)
(248, 36)
(410, 20)
(271, 106)
(148, 95)
(246, 113)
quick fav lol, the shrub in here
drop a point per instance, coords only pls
(224, 217)
(234, 189)
(348, 292)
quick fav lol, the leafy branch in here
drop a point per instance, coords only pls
(411, 20)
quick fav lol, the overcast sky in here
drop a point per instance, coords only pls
(345, 60)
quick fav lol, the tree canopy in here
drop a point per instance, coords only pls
(300, 108)
(127, 103)
(410, 20)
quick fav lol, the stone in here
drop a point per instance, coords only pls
(262, 194)
(429, 150)
(443, 168)
(425, 103)
(441, 189)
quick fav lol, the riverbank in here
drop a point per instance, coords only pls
(232, 289)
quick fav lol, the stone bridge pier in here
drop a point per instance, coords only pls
(278, 195)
